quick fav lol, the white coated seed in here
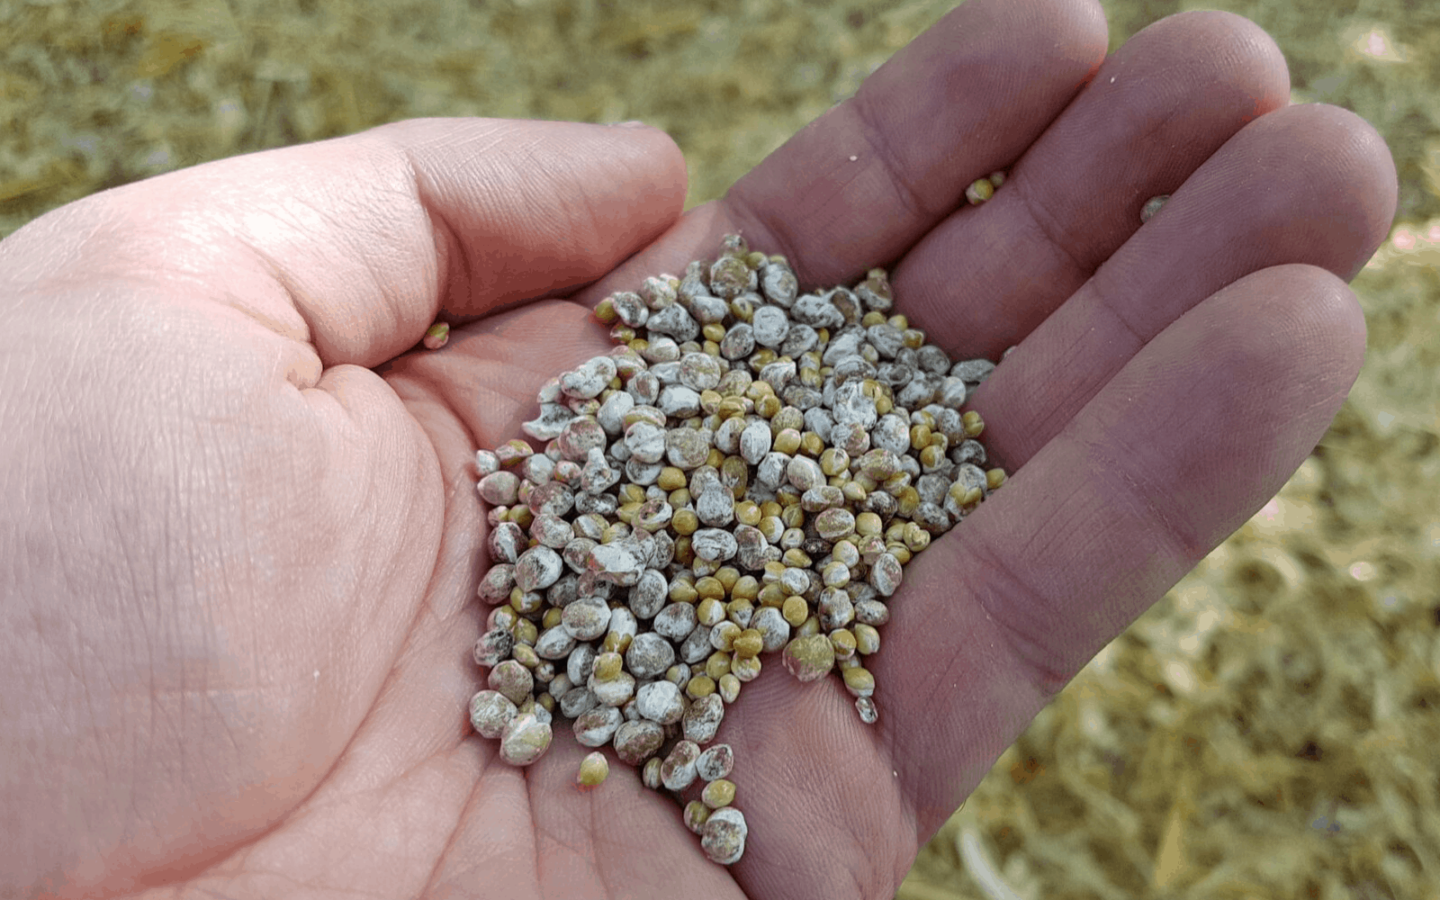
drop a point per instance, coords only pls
(714, 544)
(755, 441)
(715, 763)
(586, 619)
(660, 701)
(677, 772)
(723, 835)
(524, 740)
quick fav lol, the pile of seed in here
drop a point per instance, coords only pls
(748, 472)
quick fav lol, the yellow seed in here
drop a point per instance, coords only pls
(872, 318)
(742, 309)
(854, 491)
(979, 191)
(758, 390)
(919, 436)
(632, 493)
(684, 552)
(679, 498)
(867, 639)
(546, 702)
(748, 643)
(711, 611)
(762, 358)
(797, 558)
(685, 522)
(525, 654)
(859, 681)
(710, 402)
(713, 331)
(787, 441)
(771, 595)
(916, 538)
(683, 592)
(551, 617)
(901, 553)
(716, 459)
(843, 640)
(608, 666)
(700, 686)
(639, 345)
(795, 610)
(626, 512)
(907, 501)
(811, 445)
(745, 668)
(793, 516)
(621, 334)
(739, 611)
(730, 407)
(913, 338)
(710, 348)
(867, 523)
(605, 311)
(718, 793)
(994, 478)
(678, 675)
(747, 512)
(729, 687)
(616, 642)
(727, 576)
(834, 460)
(835, 575)
(746, 587)
(809, 628)
(717, 665)
(725, 634)
(522, 516)
(933, 455)
(972, 423)
(772, 571)
(696, 815)
(710, 588)
(846, 553)
(593, 769)
(525, 632)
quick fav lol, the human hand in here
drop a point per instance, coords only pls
(240, 529)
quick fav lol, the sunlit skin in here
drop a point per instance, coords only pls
(239, 533)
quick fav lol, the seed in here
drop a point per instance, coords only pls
(718, 793)
(678, 770)
(1152, 206)
(979, 191)
(723, 834)
(695, 815)
(593, 769)
(687, 516)
(809, 658)
(524, 740)
(490, 712)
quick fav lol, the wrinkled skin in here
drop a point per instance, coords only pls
(239, 536)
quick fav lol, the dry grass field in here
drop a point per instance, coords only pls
(1268, 730)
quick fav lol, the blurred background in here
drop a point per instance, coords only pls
(1269, 729)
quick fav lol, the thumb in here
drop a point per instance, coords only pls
(355, 245)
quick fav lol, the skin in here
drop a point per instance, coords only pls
(239, 539)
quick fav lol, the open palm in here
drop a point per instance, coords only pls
(240, 534)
